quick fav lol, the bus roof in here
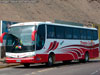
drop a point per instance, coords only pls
(49, 23)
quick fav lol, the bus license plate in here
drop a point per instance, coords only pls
(18, 60)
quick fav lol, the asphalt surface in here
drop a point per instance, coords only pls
(74, 68)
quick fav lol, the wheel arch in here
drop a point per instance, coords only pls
(87, 52)
(52, 53)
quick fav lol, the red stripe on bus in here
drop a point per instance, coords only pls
(50, 47)
(53, 45)
(56, 45)
(97, 45)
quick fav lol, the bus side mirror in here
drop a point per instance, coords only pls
(1, 37)
(33, 35)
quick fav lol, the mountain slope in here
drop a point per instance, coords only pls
(83, 11)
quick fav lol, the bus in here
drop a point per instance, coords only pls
(46, 42)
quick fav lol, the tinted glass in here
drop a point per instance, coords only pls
(89, 35)
(83, 34)
(60, 32)
(76, 33)
(95, 35)
(50, 31)
(40, 40)
(68, 33)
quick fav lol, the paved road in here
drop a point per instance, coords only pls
(74, 68)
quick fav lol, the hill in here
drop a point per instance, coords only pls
(82, 11)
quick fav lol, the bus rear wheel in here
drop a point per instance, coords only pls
(86, 58)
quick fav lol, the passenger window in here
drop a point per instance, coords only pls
(68, 33)
(76, 33)
(89, 35)
(59, 32)
(83, 34)
(95, 35)
(40, 40)
(50, 31)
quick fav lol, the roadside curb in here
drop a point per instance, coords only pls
(3, 64)
(8, 65)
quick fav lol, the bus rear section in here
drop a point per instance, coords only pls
(73, 43)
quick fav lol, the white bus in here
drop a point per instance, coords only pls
(47, 42)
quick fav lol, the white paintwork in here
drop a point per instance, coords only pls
(20, 55)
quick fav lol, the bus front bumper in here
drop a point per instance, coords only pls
(20, 60)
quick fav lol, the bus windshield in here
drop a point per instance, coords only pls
(19, 39)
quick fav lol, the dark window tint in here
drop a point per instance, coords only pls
(95, 35)
(40, 37)
(59, 32)
(68, 33)
(50, 31)
(83, 34)
(76, 33)
(89, 35)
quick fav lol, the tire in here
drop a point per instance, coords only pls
(50, 61)
(86, 58)
(26, 65)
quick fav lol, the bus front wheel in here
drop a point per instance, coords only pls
(50, 60)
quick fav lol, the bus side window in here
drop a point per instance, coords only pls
(76, 33)
(60, 32)
(50, 31)
(83, 34)
(95, 35)
(40, 39)
(68, 33)
(89, 35)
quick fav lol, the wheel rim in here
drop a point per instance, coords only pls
(86, 57)
(50, 60)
